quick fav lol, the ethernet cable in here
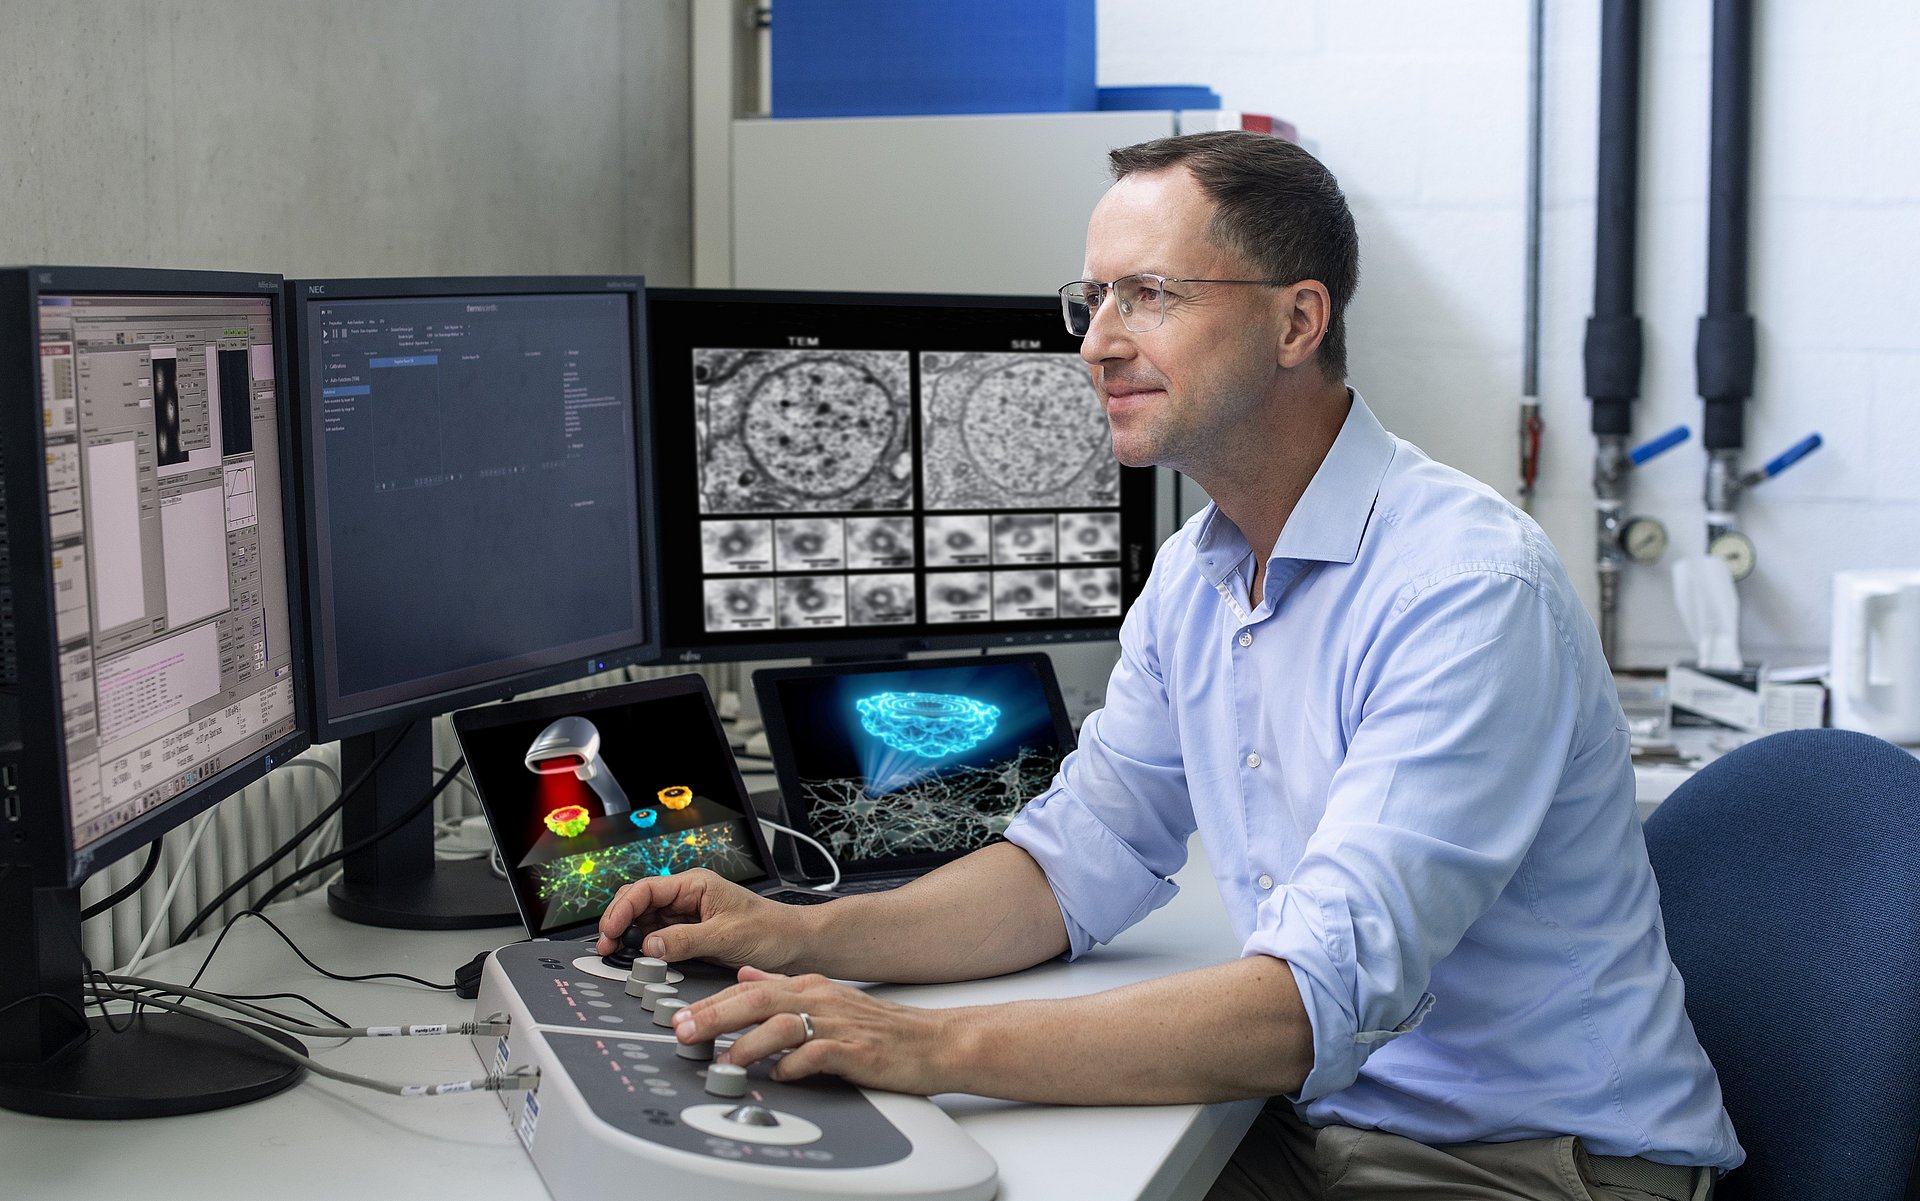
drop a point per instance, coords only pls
(833, 864)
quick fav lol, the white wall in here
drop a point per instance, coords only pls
(347, 137)
(1420, 109)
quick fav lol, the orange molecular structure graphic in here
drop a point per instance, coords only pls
(676, 797)
(567, 821)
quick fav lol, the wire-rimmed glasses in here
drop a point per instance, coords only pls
(1142, 299)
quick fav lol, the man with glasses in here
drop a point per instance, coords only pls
(1365, 679)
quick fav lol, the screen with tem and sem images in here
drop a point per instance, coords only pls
(168, 551)
(892, 472)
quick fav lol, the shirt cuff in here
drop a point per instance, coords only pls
(1102, 887)
(1312, 930)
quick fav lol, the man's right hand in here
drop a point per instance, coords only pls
(699, 915)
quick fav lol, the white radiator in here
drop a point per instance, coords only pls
(249, 826)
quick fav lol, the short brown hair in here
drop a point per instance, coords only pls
(1276, 205)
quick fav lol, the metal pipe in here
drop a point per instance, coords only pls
(1531, 426)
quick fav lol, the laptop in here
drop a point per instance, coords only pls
(899, 767)
(589, 790)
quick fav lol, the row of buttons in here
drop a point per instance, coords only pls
(1253, 760)
(728, 1149)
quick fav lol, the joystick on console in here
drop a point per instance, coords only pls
(622, 957)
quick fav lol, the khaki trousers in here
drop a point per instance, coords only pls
(1284, 1159)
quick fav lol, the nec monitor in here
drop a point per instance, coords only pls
(856, 475)
(472, 478)
(150, 649)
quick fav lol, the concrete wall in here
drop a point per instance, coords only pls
(347, 137)
(1420, 108)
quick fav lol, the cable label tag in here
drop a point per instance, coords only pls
(437, 1028)
(529, 1119)
(456, 1086)
(383, 1032)
(500, 1056)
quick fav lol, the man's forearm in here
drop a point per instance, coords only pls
(1221, 1033)
(985, 915)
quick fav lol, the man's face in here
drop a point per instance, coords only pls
(1180, 395)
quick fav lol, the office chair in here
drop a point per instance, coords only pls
(1789, 878)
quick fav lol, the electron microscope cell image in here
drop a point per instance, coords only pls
(958, 540)
(809, 544)
(1013, 431)
(1024, 596)
(736, 547)
(879, 542)
(931, 725)
(1089, 537)
(801, 431)
(1023, 538)
(957, 596)
(1090, 592)
(880, 600)
(742, 604)
(807, 601)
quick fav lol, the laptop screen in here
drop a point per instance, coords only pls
(587, 791)
(900, 767)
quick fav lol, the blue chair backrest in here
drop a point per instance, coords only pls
(1789, 878)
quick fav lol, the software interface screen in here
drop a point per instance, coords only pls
(168, 562)
(842, 469)
(889, 767)
(586, 800)
(474, 464)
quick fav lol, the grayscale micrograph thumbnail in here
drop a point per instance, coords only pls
(958, 809)
(801, 431)
(1003, 430)
(880, 600)
(736, 547)
(808, 601)
(879, 542)
(959, 596)
(1089, 537)
(809, 544)
(741, 604)
(958, 540)
(1024, 596)
(1090, 592)
(1023, 538)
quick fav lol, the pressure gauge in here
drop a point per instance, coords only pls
(1644, 540)
(1735, 549)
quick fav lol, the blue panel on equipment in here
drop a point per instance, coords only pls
(1160, 97)
(868, 58)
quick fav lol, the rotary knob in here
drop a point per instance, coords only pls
(727, 1080)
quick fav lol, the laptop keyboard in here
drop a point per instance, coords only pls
(795, 896)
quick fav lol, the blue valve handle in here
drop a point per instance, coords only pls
(1793, 454)
(1667, 441)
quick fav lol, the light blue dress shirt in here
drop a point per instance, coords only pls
(1410, 769)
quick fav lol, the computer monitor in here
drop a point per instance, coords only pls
(149, 653)
(472, 471)
(862, 475)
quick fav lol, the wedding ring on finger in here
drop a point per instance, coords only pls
(806, 1029)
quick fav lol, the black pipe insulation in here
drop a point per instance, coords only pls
(1613, 344)
(1724, 350)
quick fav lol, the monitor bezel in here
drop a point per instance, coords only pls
(302, 294)
(1138, 496)
(47, 850)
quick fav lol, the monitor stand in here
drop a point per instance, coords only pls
(397, 883)
(149, 1065)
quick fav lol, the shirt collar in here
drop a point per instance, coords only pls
(1332, 514)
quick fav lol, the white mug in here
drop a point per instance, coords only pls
(1875, 670)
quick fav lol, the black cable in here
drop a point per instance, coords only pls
(416, 810)
(309, 1002)
(56, 998)
(121, 894)
(131, 993)
(305, 832)
(284, 937)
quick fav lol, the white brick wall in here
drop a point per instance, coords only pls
(1420, 108)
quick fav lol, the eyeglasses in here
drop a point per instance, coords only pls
(1142, 300)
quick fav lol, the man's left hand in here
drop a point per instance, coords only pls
(861, 1038)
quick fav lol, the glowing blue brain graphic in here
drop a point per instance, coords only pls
(932, 725)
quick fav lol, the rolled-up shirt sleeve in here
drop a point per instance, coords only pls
(1112, 829)
(1461, 720)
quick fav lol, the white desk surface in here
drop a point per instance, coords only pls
(324, 1140)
